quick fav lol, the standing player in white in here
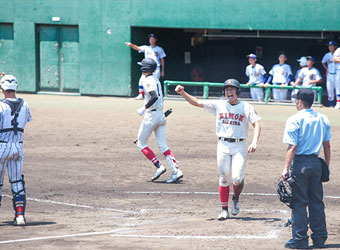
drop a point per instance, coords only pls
(154, 52)
(155, 121)
(330, 67)
(336, 59)
(14, 114)
(302, 63)
(280, 74)
(232, 119)
(257, 76)
(309, 76)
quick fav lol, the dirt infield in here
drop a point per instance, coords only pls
(88, 185)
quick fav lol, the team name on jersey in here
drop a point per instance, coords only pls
(231, 118)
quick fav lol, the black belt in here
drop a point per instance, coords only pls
(7, 142)
(10, 129)
(313, 155)
(231, 139)
(153, 110)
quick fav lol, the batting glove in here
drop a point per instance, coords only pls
(141, 111)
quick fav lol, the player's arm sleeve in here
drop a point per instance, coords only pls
(247, 73)
(209, 106)
(142, 49)
(328, 135)
(318, 75)
(300, 75)
(289, 78)
(153, 99)
(324, 59)
(270, 78)
(162, 54)
(28, 113)
(252, 114)
(291, 133)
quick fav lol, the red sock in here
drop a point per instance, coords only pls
(168, 152)
(224, 195)
(150, 155)
(20, 210)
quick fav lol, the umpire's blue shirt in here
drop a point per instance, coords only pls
(307, 130)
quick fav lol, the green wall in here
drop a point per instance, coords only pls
(105, 63)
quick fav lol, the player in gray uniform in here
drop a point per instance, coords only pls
(155, 121)
(330, 67)
(14, 114)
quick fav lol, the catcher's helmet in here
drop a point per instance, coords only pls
(148, 65)
(9, 82)
(233, 83)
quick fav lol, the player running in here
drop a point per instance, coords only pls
(155, 121)
(232, 118)
(14, 114)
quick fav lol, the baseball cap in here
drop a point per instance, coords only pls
(9, 82)
(152, 35)
(251, 55)
(306, 95)
(148, 65)
(302, 61)
(332, 43)
(310, 58)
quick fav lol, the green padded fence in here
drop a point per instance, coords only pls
(207, 85)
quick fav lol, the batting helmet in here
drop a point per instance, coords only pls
(9, 82)
(233, 83)
(148, 65)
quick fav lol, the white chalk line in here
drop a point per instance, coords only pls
(78, 205)
(271, 235)
(211, 193)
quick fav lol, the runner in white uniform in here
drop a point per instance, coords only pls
(336, 59)
(257, 76)
(330, 67)
(14, 114)
(309, 76)
(155, 121)
(232, 119)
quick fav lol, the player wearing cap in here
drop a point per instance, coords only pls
(155, 121)
(280, 74)
(330, 67)
(257, 76)
(309, 75)
(232, 119)
(336, 59)
(14, 114)
(302, 63)
(154, 52)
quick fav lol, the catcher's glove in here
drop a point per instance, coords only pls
(284, 189)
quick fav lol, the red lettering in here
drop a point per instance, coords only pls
(237, 116)
(241, 118)
(231, 115)
(221, 116)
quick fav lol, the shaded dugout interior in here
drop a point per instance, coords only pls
(214, 56)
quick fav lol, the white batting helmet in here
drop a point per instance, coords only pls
(9, 82)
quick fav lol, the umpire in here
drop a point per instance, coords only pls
(305, 133)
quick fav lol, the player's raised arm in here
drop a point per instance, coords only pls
(132, 46)
(189, 98)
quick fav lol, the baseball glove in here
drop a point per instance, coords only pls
(284, 189)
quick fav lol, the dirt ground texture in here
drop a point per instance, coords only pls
(88, 185)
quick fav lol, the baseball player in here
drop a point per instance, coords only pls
(280, 74)
(330, 67)
(155, 121)
(309, 75)
(154, 52)
(257, 76)
(302, 63)
(336, 59)
(232, 118)
(14, 114)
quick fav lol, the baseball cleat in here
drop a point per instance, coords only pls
(337, 106)
(159, 171)
(20, 221)
(223, 215)
(175, 177)
(139, 97)
(235, 208)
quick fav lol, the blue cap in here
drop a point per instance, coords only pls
(332, 43)
(252, 56)
(152, 35)
(310, 58)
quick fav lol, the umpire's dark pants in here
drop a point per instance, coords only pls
(308, 192)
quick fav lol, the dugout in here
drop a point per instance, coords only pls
(215, 55)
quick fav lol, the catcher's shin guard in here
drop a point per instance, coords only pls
(19, 199)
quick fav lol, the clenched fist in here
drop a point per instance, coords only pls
(179, 89)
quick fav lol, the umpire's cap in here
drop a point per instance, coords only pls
(233, 83)
(148, 65)
(306, 95)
